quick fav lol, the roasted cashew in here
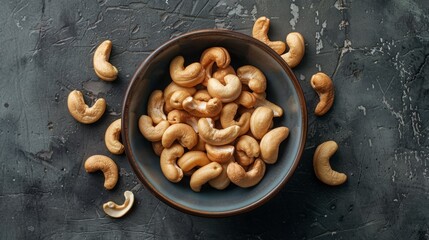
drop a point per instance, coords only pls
(197, 108)
(220, 154)
(150, 132)
(178, 116)
(81, 112)
(201, 145)
(107, 166)
(211, 55)
(116, 211)
(205, 174)
(246, 99)
(247, 149)
(321, 165)
(227, 116)
(192, 159)
(157, 147)
(184, 133)
(215, 136)
(202, 95)
(177, 98)
(270, 144)
(295, 42)
(260, 32)
(155, 107)
(226, 93)
(102, 67)
(222, 72)
(111, 138)
(222, 181)
(324, 87)
(168, 164)
(190, 76)
(260, 121)
(241, 178)
(252, 77)
(172, 88)
(261, 101)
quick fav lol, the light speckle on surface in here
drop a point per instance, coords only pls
(363, 109)
(295, 13)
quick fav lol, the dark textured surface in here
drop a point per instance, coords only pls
(376, 52)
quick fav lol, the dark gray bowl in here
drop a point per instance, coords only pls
(283, 89)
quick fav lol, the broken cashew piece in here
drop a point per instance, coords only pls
(155, 107)
(203, 109)
(252, 77)
(321, 165)
(150, 132)
(205, 174)
(260, 121)
(177, 98)
(190, 76)
(260, 32)
(178, 116)
(323, 85)
(247, 149)
(168, 164)
(261, 101)
(192, 159)
(241, 178)
(111, 138)
(227, 116)
(215, 136)
(227, 92)
(107, 166)
(270, 144)
(295, 42)
(246, 99)
(81, 112)
(184, 133)
(220, 154)
(102, 67)
(116, 211)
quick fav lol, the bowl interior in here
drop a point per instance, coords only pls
(283, 89)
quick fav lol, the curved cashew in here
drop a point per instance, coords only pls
(241, 178)
(107, 166)
(324, 87)
(201, 145)
(157, 147)
(215, 136)
(261, 101)
(211, 55)
(321, 165)
(246, 99)
(192, 159)
(222, 72)
(178, 116)
(227, 116)
(116, 211)
(190, 76)
(177, 98)
(202, 95)
(247, 149)
(295, 42)
(270, 144)
(172, 88)
(155, 107)
(252, 77)
(168, 162)
(205, 174)
(260, 121)
(81, 112)
(226, 93)
(220, 154)
(260, 32)
(222, 181)
(111, 138)
(150, 132)
(197, 108)
(102, 67)
(181, 132)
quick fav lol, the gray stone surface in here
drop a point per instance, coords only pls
(376, 51)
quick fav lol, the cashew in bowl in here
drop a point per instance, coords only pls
(321, 165)
(172, 88)
(295, 42)
(107, 166)
(157, 147)
(222, 181)
(226, 93)
(168, 164)
(241, 178)
(116, 211)
(192, 159)
(178, 116)
(204, 174)
(81, 112)
(201, 145)
(261, 101)
(202, 95)
(260, 32)
(155, 107)
(190, 76)
(270, 144)
(260, 121)
(102, 67)
(324, 87)
(181, 132)
(247, 149)
(227, 116)
(211, 55)
(215, 136)
(252, 77)
(202, 109)
(220, 154)
(246, 99)
(177, 98)
(222, 72)
(111, 138)
(150, 132)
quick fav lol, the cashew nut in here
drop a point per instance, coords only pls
(247, 149)
(172, 88)
(241, 178)
(295, 42)
(111, 138)
(178, 116)
(190, 76)
(168, 164)
(150, 132)
(220, 154)
(222, 181)
(260, 121)
(198, 108)
(227, 116)
(261, 101)
(107, 166)
(81, 112)
(157, 147)
(246, 99)
(201, 145)
(211, 55)
(270, 144)
(205, 174)
(260, 32)
(202, 95)
(324, 87)
(102, 67)
(192, 159)
(321, 165)
(116, 211)
(155, 107)
(215, 136)
(177, 98)
(222, 72)
(181, 132)
(226, 93)
(252, 77)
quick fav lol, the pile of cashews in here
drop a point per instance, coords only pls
(213, 123)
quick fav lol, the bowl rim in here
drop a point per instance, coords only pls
(125, 118)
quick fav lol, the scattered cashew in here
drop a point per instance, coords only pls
(215, 136)
(252, 77)
(247, 149)
(111, 138)
(246, 99)
(222, 72)
(181, 132)
(168, 164)
(220, 154)
(155, 107)
(222, 181)
(270, 144)
(211, 55)
(241, 178)
(157, 147)
(198, 108)
(177, 98)
(226, 93)
(102, 67)
(205, 174)
(295, 42)
(192, 159)
(178, 116)
(321, 165)
(260, 121)
(116, 211)
(107, 166)
(227, 116)
(261, 101)
(81, 112)
(260, 32)
(324, 87)
(190, 76)
(150, 132)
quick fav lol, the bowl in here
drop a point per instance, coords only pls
(282, 89)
